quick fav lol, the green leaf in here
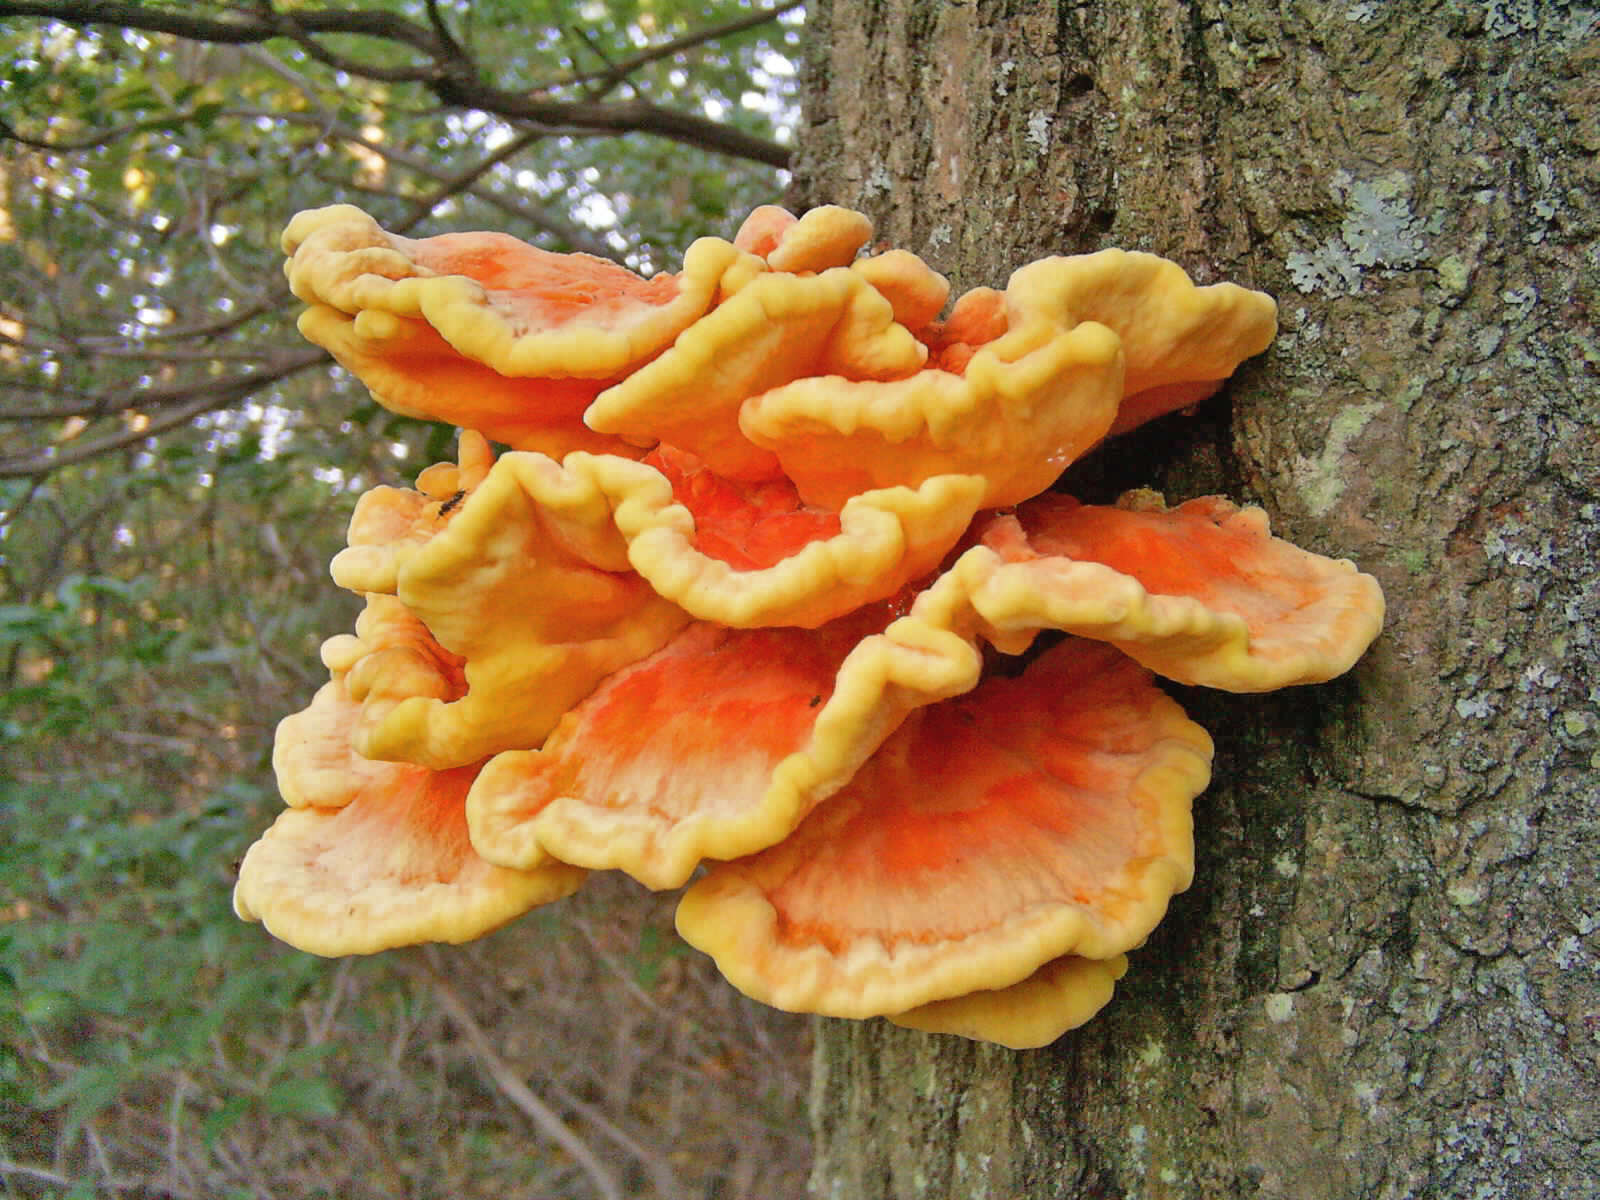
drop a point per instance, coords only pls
(87, 1092)
(303, 1098)
(217, 1123)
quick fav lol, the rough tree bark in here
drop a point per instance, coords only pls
(1386, 979)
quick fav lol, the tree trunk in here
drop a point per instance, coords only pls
(1385, 981)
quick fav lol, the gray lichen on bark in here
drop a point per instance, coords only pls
(1386, 981)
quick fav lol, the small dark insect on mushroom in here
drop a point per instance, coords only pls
(445, 508)
(815, 700)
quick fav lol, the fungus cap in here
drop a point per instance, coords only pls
(527, 584)
(714, 747)
(1173, 332)
(1061, 995)
(810, 569)
(1016, 413)
(392, 866)
(390, 662)
(824, 237)
(1201, 593)
(774, 330)
(411, 370)
(914, 290)
(522, 311)
(971, 848)
(313, 753)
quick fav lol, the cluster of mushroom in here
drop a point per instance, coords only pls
(768, 588)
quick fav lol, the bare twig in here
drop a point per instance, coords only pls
(322, 1027)
(102, 346)
(513, 1088)
(7, 1167)
(237, 29)
(453, 184)
(180, 1085)
(688, 41)
(95, 141)
(220, 394)
(103, 1159)
(442, 30)
(656, 1166)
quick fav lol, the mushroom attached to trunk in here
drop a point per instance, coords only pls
(1035, 817)
(771, 585)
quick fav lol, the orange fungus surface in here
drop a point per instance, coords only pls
(556, 287)
(834, 645)
(746, 525)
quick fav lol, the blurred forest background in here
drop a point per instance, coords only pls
(176, 469)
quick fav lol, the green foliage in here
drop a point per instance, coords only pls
(161, 602)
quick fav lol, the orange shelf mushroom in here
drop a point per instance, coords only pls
(1015, 414)
(372, 855)
(1063, 994)
(487, 332)
(527, 583)
(1181, 341)
(748, 556)
(776, 329)
(1201, 593)
(770, 585)
(717, 746)
(973, 848)
(825, 237)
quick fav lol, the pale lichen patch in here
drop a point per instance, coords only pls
(1321, 480)
(1379, 229)
(1039, 130)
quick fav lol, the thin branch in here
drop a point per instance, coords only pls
(236, 30)
(7, 1167)
(449, 75)
(654, 1163)
(283, 71)
(631, 116)
(218, 395)
(96, 404)
(267, 302)
(102, 347)
(442, 31)
(514, 1089)
(460, 183)
(95, 141)
(688, 41)
(291, 28)
(594, 47)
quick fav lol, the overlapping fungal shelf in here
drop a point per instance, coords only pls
(741, 605)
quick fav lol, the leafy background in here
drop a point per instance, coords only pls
(176, 468)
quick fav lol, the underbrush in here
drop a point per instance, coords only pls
(153, 1045)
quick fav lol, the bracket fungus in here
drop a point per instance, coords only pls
(769, 595)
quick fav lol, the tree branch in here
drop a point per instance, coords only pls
(688, 41)
(96, 404)
(449, 74)
(442, 31)
(217, 395)
(511, 1085)
(95, 141)
(238, 30)
(452, 184)
(631, 116)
